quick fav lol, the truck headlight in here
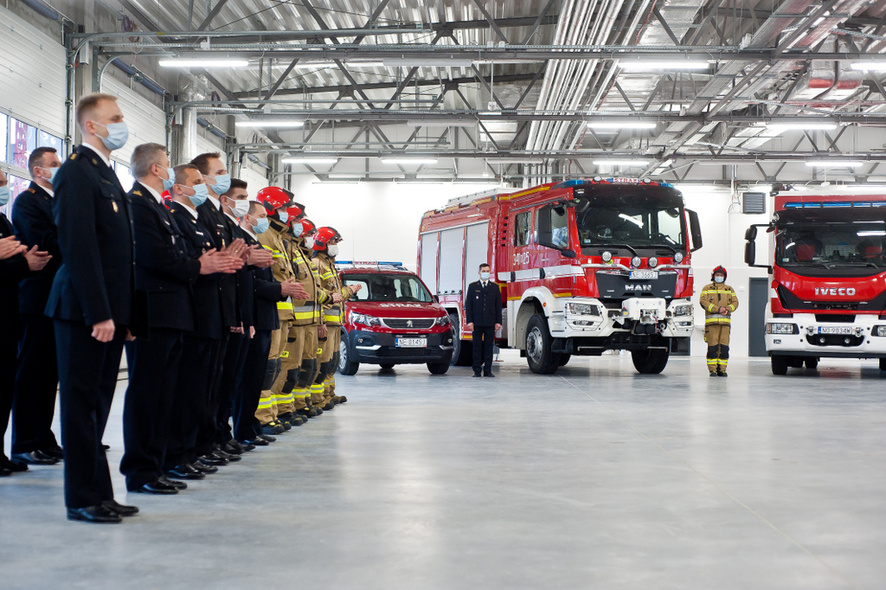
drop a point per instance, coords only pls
(879, 331)
(678, 257)
(682, 310)
(781, 328)
(365, 319)
(582, 309)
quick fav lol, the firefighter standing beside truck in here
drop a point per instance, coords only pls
(719, 301)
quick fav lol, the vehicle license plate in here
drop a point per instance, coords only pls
(412, 342)
(835, 330)
(643, 275)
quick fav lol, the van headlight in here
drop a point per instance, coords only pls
(443, 320)
(364, 319)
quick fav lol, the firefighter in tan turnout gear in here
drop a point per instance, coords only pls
(719, 301)
(325, 250)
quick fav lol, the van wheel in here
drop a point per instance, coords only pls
(462, 351)
(438, 368)
(811, 362)
(779, 365)
(650, 361)
(345, 366)
(538, 347)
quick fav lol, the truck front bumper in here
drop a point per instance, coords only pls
(803, 335)
(637, 315)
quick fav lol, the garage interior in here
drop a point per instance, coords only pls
(373, 113)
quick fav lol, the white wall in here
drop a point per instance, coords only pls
(379, 221)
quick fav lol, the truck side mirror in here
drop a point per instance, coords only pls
(694, 230)
(750, 250)
(568, 253)
(751, 233)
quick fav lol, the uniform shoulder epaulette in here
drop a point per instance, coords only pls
(30, 190)
(139, 193)
(73, 156)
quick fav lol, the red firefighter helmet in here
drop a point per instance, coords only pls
(307, 226)
(718, 269)
(273, 197)
(324, 235)
(295, 211)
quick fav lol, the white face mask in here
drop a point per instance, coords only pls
(309, 242)
(332, 249)
(240, 207)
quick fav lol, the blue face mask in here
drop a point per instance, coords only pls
(222, 184)
(719, 279)
(169, 182)
(283, 215)
(118, 133)
(4, 195)
(297, 229)
(262, 226)
(200, 195)
(52, 173)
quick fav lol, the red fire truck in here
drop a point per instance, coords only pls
(827, 274)
(584, 266)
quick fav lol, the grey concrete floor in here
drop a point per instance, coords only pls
(594, 478)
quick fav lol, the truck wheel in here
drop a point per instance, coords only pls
(462, 351)
(564, 358)
(386, 365)
(538, 347)
(650, 362)
(811, 362)
(779, 365)
(345, 366)
(883, 364)
(438, 368)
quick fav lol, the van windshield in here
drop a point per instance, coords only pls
(392, 287)
(640, 217)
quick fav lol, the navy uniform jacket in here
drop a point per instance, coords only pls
(91, 211)
(266, 292)
(12, 270)
(220, 232)
(206, 300)
(245, 285)
(164, 273)
(32, 212)
(483, 306)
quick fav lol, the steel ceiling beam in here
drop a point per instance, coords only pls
(212, 14)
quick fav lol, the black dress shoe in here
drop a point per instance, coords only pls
(12, 466)
(255, 442)
(232, 447)
(97, 514)
(477, 375)
(226, 456)
(488, 375)
(266, 437)
(204, 467)
(155, 487)
(106, 447)
(121, 509)
(212, 459)
(185, 471)
(4, 472)
(55, 451)
(34, 458)
(179, 485)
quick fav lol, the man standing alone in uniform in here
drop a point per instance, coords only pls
(483, 312)
(719, 301)
(91, 304)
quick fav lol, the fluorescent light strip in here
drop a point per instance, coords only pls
(834, 163)
(657, 66)
(203, 63)
(621, 125)
(869, 66)
(309, 160)
(269, 123)
(620, 162)
(409, 160)
(441, 123)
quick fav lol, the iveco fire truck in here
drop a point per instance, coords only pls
(584, 266)
(827, 295)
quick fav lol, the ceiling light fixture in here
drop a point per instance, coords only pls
(834, 163)
(427, 61)
(270, 123)
(309, 160)
(180, 62)
(441, 123)
(869, 66)
(626, 162)
(800, 126)
(409, 160)
(657, 66)
(621, 125)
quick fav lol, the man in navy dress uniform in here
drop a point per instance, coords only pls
(483, 315)
(91, 304)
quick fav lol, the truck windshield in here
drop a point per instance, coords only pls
(850, 244)
(388, 287)
(640, 217)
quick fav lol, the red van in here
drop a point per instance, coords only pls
(393, 320)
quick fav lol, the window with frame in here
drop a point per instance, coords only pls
(522, 228)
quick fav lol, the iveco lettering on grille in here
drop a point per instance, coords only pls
(837, 291)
